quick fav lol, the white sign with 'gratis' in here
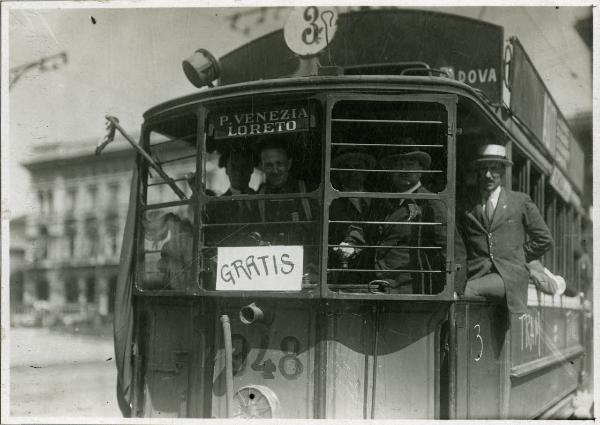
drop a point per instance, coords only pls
(259, 268)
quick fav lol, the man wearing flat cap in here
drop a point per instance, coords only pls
(354, 210)
(406, 231)
(503, 231)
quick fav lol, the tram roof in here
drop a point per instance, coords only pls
(367, 83)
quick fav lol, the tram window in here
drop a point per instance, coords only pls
(520, 175)
(536, 189)
(550, 260)
(384, 129)
(561, 237)
(166, 249)
(249, 179)
(177, 157)
(395, 245)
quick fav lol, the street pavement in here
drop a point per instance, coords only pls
(55, 374)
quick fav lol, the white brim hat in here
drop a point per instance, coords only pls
(492, 153)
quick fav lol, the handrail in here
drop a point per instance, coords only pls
(530, 367)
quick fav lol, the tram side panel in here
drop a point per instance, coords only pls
(546, 356)
(383, 360)
(481, 353)
(166, 353)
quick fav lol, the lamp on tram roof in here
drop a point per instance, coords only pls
(201, 69)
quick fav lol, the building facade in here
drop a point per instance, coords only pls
(65, 253)
(73, 235)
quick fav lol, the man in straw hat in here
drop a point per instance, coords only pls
(502, 231)
(409, 237)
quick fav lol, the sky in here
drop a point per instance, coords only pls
(124, 61)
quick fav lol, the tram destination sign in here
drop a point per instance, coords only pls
(270, 120)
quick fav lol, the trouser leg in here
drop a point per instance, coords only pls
(490, 286)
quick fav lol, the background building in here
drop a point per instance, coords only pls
(65, 253)
(70, 242)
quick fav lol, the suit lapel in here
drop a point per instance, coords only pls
(475, 214)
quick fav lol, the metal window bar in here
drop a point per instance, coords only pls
(386, 246)
(208, 247)
(263, 223)
(387, 145)
(386, 121)
(420, 223)
(164, 142)
(181, 158)
(369, 170)
(275, 197)
(161, 182)
(386, 271)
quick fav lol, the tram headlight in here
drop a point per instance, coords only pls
(201, 69)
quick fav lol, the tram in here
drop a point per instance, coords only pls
(256, 315)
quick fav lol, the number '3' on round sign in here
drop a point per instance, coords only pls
(309, 30)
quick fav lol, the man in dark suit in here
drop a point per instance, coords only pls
(420, 247)
(354, 212)
(276, 163)
(502, 231)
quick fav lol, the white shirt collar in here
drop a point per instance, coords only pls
(494, 196)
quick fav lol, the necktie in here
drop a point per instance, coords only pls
(489, 209)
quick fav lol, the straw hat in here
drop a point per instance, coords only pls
(492, 153)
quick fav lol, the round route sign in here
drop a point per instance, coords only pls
(308, 30)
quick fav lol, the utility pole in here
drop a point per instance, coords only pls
(48, 63)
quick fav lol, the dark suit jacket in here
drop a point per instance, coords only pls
(516, 235)
(234, 212)
(342, 209)
(414, 210)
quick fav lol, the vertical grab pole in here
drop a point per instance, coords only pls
(377, 310)
(228, 364)
(452, 364)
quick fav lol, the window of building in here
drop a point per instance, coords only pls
(92, 195)
(42, 290)
(43, 241)
(112, 232)
(112, 291)
(50, 199)
(71, 290)
(92, 236)
(113, 194)
(41, 202)
(71, 199)
(90, 289)
(71, 235)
